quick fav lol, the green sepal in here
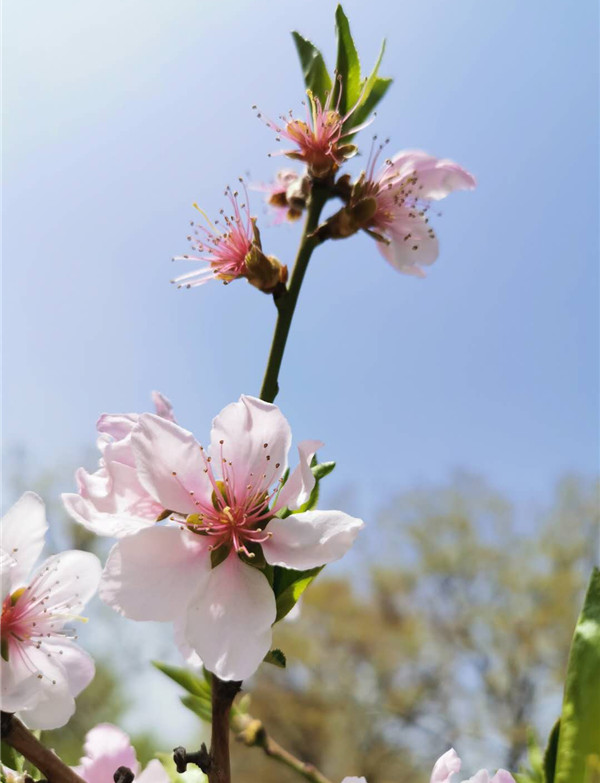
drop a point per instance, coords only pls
(579, 736)
(218, 555)
(288, 586)
(258, 561)
(4, 649)
(347, 65)
(550, 753)
(322, 469)
(314, 70)
(276, 657)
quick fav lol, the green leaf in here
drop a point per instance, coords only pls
(550, 754)
(347, 65)
(10, 758)
(276, 657)
(580, 719)
(185, 678)
(314, 70)
(288, 586)
(379, 89)
(199, 706)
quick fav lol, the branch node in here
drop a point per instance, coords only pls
(123, 775)
(201, 758)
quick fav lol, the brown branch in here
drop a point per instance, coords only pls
(223, 694)
(253, 734)
(18, 736)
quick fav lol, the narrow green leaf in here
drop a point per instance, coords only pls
(198, 706)
(550, 753)
(185, 678)
(379, 89)
(580, 720)
(347, 65)
(276, 657)
(10, 758)
(289, 586)
(314, 70)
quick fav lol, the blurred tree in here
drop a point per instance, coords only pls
(460, 637)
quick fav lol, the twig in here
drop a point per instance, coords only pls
(286, 303)
(253, 734)
(18, 736)
(223, 694)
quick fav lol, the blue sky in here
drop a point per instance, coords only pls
(119, 116)
(118, 120)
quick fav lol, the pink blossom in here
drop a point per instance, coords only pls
(320, 138)
(225, 250)
(403, 191)
(449, 764)
(286, 195)
(112, 501)
(41, 669)
(106, 749)
(223, 502)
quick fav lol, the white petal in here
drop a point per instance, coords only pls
(229, 619)
(19, 684)
(170, 464)
(154, 773)
(245, 427)
(54, 703)
(299, 485)
(410, 255)
(78, 666)
(310, 539)
(69, 579)
(23, 529)
(152, 574)
(103, 523)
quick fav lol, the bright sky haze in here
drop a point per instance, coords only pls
(119, 116)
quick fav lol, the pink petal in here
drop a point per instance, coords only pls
(245, 427)
(502, 776)
(170, 464)
(23, 530)
(401, 252)
(229, 619)
(436, 179)
(299, 485)
(107, 748)
(152, 574)
(445, 767)
(310, 539)
(163, 406)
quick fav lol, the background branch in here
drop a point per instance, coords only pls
(18, 736)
